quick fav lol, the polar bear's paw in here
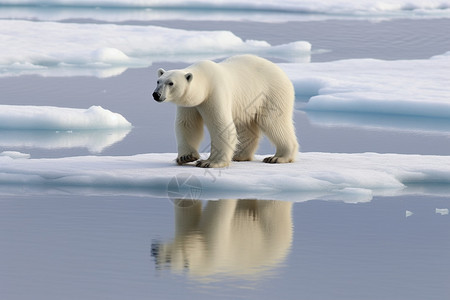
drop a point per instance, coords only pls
(242, 158)
(277, 160)
(184, 159)
(211, 164)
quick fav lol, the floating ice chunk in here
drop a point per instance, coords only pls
(403, 87)
(442, 211)
(15, 154)
(59, 118)
(385, 122)
(408, 213)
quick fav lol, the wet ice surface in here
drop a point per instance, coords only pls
(94, 241)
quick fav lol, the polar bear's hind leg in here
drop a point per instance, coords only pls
(286, 145)
(278, 126)
(248, 140)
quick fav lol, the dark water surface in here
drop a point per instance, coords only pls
(390, 40)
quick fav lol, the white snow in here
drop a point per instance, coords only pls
(59, 118)
(402, 87)
(346, 177)
(37, 47)
(262, 11)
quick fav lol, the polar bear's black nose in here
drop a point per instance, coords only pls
(156, 96)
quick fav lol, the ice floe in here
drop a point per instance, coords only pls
(94, 140)
(263, 11)
(402, 87)
(346, 177)
(49, 48)
(25, 117)
(442, 211)
(15, 154)
(381, 122)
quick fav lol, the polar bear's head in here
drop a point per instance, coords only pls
(172, 86)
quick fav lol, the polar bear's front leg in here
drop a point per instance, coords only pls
(189, 132)
(223, 142)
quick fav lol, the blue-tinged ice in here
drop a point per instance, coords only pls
(417, 88)
(351, 178)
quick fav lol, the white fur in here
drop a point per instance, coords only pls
(236, 99)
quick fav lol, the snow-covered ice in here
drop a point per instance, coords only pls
(347, 177)
(49, 127)
(402, 87)
(263, 11)
(50, 48)
(59, 118)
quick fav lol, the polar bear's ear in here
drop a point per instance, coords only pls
(188, 76)
(160, 72)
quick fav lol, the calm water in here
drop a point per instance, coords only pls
(55, 245)
(69, 247)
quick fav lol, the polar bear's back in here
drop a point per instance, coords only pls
(244, 74)
(254, 70)
(257, 82)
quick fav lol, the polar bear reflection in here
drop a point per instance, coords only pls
(230, 237)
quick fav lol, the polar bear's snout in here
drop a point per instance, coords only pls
(157, 96)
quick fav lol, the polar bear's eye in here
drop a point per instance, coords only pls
(170, 83)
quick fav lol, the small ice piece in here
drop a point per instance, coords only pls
(408, 213)
(442, 211)
(15, 154)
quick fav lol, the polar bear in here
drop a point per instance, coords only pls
(236, 99)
